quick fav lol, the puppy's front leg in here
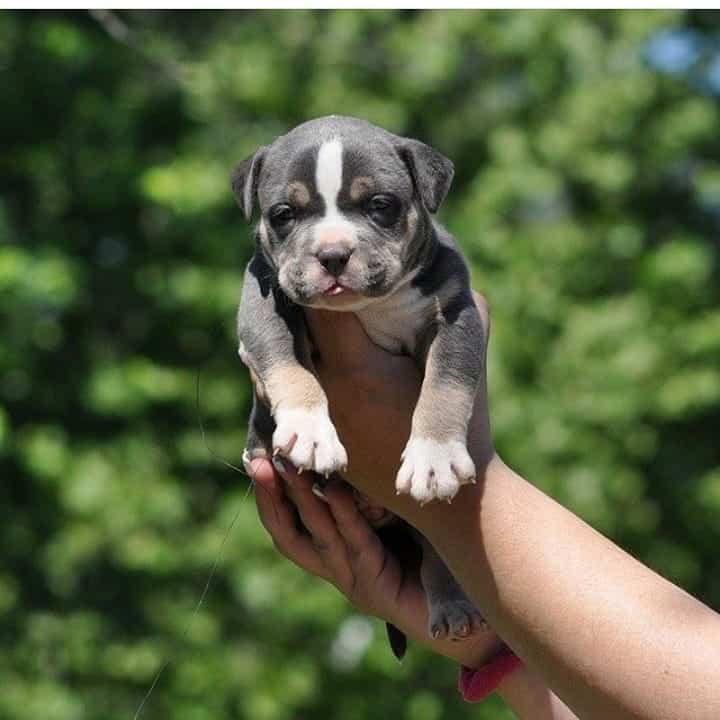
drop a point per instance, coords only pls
(436, 461)
(273, 344)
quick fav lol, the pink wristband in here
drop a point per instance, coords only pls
(475, 684)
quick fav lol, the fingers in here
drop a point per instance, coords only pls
(341, 546)
(277, 516)
(319, 522)
(313, 512)
(374, 570)
(360, 538)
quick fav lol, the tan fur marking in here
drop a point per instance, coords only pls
(294, 386)
(299, 194)
(361, 187)
(431, 421)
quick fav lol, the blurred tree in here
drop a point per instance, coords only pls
(587, 199)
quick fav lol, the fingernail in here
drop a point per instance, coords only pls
(251, 464)
(278, 464)
(318, 492)
(247, 463)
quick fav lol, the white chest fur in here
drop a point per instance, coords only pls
(395, 322)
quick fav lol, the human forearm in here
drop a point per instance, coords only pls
(529, 697)
(608, 635)
(612, 638)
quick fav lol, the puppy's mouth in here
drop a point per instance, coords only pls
(338, 294)
(337, 289)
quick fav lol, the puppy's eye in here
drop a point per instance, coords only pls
(282, 218)
(383, 209)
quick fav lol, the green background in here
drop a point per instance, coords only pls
(587, 199)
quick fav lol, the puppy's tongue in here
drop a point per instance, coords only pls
(335, 289)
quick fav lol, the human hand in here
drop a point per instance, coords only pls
(342, 548)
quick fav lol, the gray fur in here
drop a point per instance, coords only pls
(451, 614)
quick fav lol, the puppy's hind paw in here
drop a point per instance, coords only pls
(454, 620)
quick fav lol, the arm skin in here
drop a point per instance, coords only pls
(606, 634)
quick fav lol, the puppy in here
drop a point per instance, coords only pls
(346, 225)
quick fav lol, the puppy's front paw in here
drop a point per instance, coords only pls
(454, 619)
(434, 470)
(308, 439)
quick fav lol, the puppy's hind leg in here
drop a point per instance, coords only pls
(451, 613)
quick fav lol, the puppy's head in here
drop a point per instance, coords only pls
(344, 208)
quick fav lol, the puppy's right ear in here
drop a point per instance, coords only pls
(244, 180)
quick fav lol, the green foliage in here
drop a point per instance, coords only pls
(587, 199)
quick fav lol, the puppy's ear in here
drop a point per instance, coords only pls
(244, 180)
(431, 172)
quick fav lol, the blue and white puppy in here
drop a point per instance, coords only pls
(347, 225)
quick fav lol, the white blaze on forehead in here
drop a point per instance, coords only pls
(328, 174)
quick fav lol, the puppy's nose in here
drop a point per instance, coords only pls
(334, 258)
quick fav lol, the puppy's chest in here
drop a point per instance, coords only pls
(396, 324)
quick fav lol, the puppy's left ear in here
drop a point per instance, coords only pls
(431, 172)
(244, 180)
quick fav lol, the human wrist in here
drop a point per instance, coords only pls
(476, 653)
(526, 693)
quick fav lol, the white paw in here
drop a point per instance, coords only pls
(308, 439)
(434, 470)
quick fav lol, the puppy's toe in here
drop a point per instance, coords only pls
(284, 437)
(302, 454)
(455, 620)
(462, 465)
(403, 482)
(434, 470)
(330, 455)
